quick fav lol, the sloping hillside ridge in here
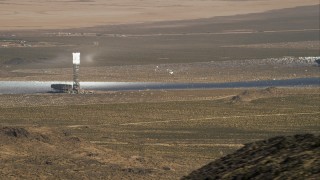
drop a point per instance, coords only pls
(282, 157)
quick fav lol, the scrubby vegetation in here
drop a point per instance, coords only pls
(155, 134)
(282, 157)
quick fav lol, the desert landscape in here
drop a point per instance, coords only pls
(144, 135)
(65, 14)
(160, 133)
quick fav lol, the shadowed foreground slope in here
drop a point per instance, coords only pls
(280, 157)
(42, 153)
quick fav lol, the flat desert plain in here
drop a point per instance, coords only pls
(273, 44)
(63, 14)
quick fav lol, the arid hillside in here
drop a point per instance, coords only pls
(41, 153)
(282, 157)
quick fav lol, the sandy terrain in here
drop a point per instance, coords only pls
(276, 44)
(44, 14)
(133, 52)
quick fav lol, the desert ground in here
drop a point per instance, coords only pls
(163, 134)
(274, 44)
(146, 134)
(65, 14)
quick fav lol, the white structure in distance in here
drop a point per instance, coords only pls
(76, 58)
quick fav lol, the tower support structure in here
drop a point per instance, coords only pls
(76, 83)
(76, 68)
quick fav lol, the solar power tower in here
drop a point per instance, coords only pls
(76, 66)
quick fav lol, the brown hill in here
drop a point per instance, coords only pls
(276, 158)
(49, 153)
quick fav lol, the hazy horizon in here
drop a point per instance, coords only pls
(66, 14)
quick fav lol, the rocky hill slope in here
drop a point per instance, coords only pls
(49, 153)
(283, 157)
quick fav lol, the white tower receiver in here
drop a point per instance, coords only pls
(76, 66)
(76, 58)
